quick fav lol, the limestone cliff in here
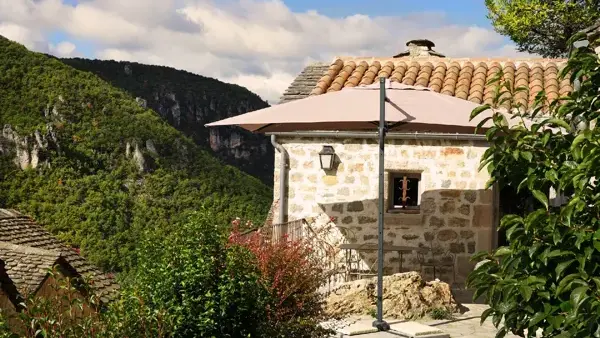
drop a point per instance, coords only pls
(188, 101)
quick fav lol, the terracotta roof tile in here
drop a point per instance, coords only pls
(463, 78)
(18, 229)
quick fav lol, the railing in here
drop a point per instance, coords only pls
(301, 230)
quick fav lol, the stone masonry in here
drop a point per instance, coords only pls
(456, 212)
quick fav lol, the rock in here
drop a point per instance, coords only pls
(355, 206)
(405, 296)
(151, 147)
(141, 102)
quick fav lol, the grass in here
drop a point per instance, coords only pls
(441, 313)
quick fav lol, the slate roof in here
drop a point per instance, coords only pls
(27, 267)
(21, 230)
(465, 78)
(305, 82)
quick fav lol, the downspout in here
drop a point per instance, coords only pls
(282, 178)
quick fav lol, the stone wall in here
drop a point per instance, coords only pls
(456, 212)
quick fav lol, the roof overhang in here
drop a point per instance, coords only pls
(375, 135)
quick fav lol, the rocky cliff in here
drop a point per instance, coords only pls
(188, 101)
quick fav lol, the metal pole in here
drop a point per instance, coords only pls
(380, 324)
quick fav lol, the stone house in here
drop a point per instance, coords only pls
(434, 191)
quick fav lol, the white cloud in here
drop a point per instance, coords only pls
(259, 44)
(63, 49)
(21, 34)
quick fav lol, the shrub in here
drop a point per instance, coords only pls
(547, 277)
(205, 288)
(291, 273)
(73, 310)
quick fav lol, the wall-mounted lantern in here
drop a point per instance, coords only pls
(327, 157)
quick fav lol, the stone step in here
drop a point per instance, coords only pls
(360, 327)
(417, 330)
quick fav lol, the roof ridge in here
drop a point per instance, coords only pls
(10, 213)
(449, 59)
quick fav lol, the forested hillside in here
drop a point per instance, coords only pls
(189, 101)
(97, 168)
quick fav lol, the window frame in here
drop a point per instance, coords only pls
(392, 175)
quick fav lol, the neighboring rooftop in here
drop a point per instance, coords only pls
(42, 247)
(27, 267)
(465, 78)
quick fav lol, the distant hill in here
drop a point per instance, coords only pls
(188, 101)
(97, 168)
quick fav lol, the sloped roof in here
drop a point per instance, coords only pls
(465, 78)
(305, 82)
(27, 267)
(20, 230)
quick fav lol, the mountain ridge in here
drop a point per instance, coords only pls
(188, 101)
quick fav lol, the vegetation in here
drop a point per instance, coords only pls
(200, 283)
(87, 188)
(188, 101)
(73, 311)
(441, 313)
(547, 277)
(542, 26)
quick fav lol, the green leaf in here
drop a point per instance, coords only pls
(527, 155)
(485, 315)
(560, 267)
(479, 110)
(597, 245)
(540, 196)
(538, 317)
(579, 295)
(560, 123)
(551, 175)
(559, 253)
(577, 141)
(502, 251)
(565, 283)
(526, 292)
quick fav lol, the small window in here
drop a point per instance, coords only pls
(404, 194)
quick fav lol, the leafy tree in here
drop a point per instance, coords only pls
(542, 26)
(547, 277)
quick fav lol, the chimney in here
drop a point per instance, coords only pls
(420, 48)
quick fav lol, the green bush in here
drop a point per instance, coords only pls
(73, 310)
(206, 288)
(547, 277)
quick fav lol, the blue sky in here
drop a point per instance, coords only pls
(460, 12)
